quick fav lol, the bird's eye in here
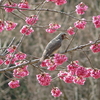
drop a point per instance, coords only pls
(63, 36)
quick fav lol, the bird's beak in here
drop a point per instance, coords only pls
(66, 37)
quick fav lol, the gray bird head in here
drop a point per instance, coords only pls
(62, 36)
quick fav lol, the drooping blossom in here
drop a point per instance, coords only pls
(88, 74)
(71, 31)
(23, 4)
(81, 8)
(62, 74)
(68, 78)
(10, 59)
(96, 21)
(44, 79)
(49, 64)
(81, 71)
(52, 63)
(58, 2)
(1, 61)
(95, 47)
(80, 24)
(10, 5)
(20, 56)
(43, 63)
(20, 72)
(79, 80)
(26, 30)
(56, 92)
(95, 73)
(72, 67)
(1, 25)
(9, 25)
(53, 28)
(11, 49)
(59, 59)
(14, 84)
(31, 20)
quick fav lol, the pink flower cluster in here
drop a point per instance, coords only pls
(52, 28)
(31, 20)
(70, 31)
(23, 4)
(26, 30)
(10, 5)
(20, 56)
(95, 48)
(58, 2)
(44, 79)
(78, 74)
(80, 24)
(20, 72)
(8, 25)
(81, 8)
(1, 25)
(96, 21)
(14, 84)
(11, 49)
(52, 63)
(56, 92)
(12, 59)
(1, 61)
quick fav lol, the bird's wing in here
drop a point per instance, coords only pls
(51, 48)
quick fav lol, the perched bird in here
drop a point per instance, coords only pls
(53, 46)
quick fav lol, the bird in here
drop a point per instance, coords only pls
(53, 46)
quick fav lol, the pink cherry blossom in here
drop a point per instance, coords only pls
(26, 30)
(56, 92)
(10, 59)
(20, 56)
(80, 24)
(81, 8)
(49, 63)
(31, 20)
(71, 31)
(10, 5)
(95, 48)
(68, 78)
(44, 79)
(1, 61)
(1, 25)
(59, 59)
(11, 49)
(81, 72)
(72, 67)
(79, 80)
(14, 84)
(95, 73)
(10, 25)
(60, 2)
(52, 28)
(43, 63)
(23, 4)
(88, 74)
(20, 72)
(62, 74)
(96, 21)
